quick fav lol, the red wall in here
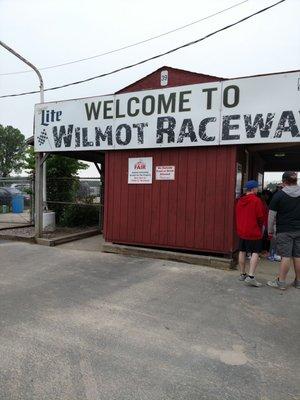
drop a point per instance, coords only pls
(193, 212)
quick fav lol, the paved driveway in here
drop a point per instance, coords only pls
(85, 325)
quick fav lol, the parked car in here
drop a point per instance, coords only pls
(22, 186)
(84, 190)
(7, 193)
(5, 197)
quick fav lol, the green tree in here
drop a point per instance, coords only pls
(29, 161)
(62, 181)
(57, 166)
(62, 186)
(11, 150)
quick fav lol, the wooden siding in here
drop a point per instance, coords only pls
(193, 212)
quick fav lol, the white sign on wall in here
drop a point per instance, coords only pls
(262, 109)
(140, 170)
(164, 78)
(165, 172)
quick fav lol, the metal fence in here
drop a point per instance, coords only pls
(77, 202)
(16, 201)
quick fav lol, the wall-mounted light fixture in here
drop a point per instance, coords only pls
(279, 155)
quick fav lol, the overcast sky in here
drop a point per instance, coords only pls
(50, 32)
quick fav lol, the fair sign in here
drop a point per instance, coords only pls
(262, 109)
(140, 170)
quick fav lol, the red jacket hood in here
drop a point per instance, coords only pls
(250, 216)
(245, 199)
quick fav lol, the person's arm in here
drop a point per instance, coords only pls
(273, 208)
(271, 221)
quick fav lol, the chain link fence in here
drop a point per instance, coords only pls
(77, 202)
(16, 201)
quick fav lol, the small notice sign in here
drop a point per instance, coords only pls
(140, 170)
(165, 173)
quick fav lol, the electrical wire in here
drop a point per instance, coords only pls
(130, 45)
(150, 58)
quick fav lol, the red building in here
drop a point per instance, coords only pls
(194, 211)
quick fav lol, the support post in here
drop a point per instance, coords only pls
(100, 195)
(32, 198)
(98, 168)
(38, 195)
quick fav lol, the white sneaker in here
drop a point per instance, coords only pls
(296, 284)
(252, 282)
(277, 284)
(242, 277)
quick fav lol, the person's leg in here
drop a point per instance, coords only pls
(272, 250)
(297, 267)
(256, 246)
(242, 259)
(253, 263)
(242, 262)
(284, 268)
(276, 256)
(285, 243)
(296, 259)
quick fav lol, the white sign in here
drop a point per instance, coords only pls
(164, 78)
(165, 173)
(263, 109)
(140, 170)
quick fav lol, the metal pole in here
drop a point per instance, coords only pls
(41, 168)
(100, 197)
(38, 196)
(30, 65)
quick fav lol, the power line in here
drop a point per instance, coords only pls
(130, 45)
(153, 57)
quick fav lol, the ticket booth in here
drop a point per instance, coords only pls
(176, 148)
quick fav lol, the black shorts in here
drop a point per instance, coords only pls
(250, 246)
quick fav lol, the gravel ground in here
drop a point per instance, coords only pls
(28, 232)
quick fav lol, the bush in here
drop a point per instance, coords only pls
(61, 190)
(79, 215)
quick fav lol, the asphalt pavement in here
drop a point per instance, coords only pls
(82, 325)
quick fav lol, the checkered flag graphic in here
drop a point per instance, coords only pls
(42, 138)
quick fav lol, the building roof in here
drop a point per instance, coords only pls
(176, 77)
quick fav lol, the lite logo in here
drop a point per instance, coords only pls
(50, 116)
(140, 165)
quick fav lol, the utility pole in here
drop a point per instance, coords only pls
(40, 166)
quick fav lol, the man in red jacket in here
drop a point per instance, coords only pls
(250, 221)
